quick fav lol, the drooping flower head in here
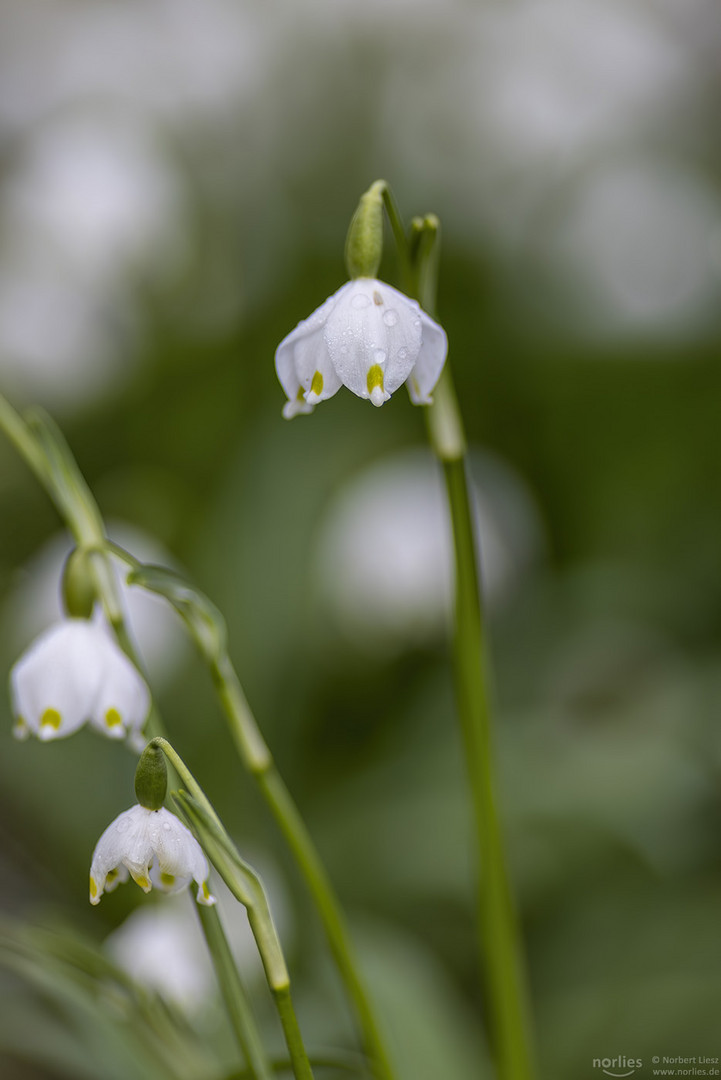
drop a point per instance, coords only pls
(74, 673)
(369, 337)
(149, 843)
(154, 848)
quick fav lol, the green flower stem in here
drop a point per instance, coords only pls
(39, 441)
(18, 433)
(500, 939)
(187, 778)
(291, 1031)
(257, 758)
(67, 485)
(396, 223)
(502, 954)
(234, 996)
(247, 887)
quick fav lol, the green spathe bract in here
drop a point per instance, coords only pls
(78, 585)
(151, 777)
(364, 243)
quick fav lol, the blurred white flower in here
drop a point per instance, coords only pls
(384, 556)
(155, 848)
(75, 673)
(160, 947)
(368, 337)
(635, 240)
(171, 61)
(87, 203)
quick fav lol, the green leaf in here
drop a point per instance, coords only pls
(86, 1015)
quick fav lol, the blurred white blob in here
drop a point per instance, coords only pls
(96, 189)
(384, 556)
(162, 947)
(89, 203)
(171, 57)
(34, 604)
(534, 88)
(637, 236)
(560, 75)
(55, 344)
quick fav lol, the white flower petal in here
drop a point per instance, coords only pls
(53, 684)
(429, 365)
(123, 699)
(288, 378)
(175, 846)
(303, 365)
(373, 334)
(315, 371)
(124, 846)
(116, 876)
(166, 881)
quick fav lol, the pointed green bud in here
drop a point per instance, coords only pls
(78, 585)
(151, 777)
(364, 243)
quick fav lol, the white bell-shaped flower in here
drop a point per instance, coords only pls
(154, 848)
(74, 673)
(368, 337)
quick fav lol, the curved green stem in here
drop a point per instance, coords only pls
(24, 442)
(234, 996)
(258, 760)
(396, 224)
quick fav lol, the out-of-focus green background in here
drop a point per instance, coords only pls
(176, 180)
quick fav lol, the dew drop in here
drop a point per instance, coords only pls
(417, 323)
(166, 826)
(402, 353)
(379, 356)
(360, 300)
(390, 317)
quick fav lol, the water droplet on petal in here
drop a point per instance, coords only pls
(379, 356)
(417, 323)
(361, 300)
(390, 317)
(402, 353)
(166, 826)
